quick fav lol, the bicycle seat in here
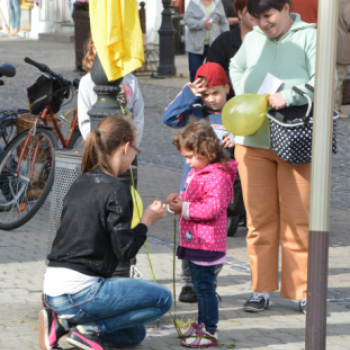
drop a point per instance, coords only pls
(7, 70)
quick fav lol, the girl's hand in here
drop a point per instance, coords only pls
(198, 87)
(171, 197)
(154, 212)
(277, 101)
(228, 141)
(176, 205)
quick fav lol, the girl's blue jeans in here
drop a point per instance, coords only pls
(118, 306)
(203, 279)
(15, 12)
(195, 61)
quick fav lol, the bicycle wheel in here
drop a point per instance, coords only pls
(76, 142)
(8, 130)
(22, 196)
(232, 225)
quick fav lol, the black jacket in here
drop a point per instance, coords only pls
(225, 47)
(95, 233)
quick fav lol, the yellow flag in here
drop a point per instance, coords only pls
(117, 36)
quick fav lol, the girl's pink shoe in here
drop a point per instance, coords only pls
(201, 339)
(190, 330)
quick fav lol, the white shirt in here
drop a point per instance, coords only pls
(60, 280)
(87, 98)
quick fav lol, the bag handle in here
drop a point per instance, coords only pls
(302, 93)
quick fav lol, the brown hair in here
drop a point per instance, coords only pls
(89, 56)
(201, 139)
(239, 5)
(112, 133)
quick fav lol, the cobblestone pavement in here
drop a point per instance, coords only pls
(22, 251)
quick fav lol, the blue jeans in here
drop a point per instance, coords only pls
(203, 279)
(195, 61)
(118, 307)
(15, 12)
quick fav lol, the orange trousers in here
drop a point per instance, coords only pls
(276, 196)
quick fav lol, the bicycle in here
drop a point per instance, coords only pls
(7, 117)
(27, 164)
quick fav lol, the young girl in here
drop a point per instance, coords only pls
(94, 236)
(202, 208)
(130, 97)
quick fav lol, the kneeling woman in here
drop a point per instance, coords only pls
(94, 236)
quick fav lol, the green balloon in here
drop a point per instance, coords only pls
(243, 115)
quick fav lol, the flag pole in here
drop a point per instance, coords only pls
(327, 22)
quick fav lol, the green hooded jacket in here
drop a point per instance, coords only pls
(291, 59)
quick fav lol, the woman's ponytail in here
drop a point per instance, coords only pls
(112, 133)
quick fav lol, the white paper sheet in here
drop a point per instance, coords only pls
(270, 85)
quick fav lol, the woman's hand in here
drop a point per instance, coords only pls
(208, 23)
(277, 101)
(198, 87)
(228, 141)
(154, 212)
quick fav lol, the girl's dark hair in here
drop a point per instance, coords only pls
(201, 139)
(257, 7)
(239, 5)
(111, 134)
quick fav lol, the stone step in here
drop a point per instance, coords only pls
(57, 37)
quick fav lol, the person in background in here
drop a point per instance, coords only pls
(307, 9)
(276, 193)
(15, 17)
(231, 14)
(343, 53)
(228, 43)
(130, 97)
(205, 20)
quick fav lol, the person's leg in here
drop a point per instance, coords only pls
(12, 13)
(218, 269)
(187, 295)
(208, 308)
(185, 275)
(338, 96)
(111, 305)
(126, 338)
(194, 62)
(258, 174)
(294, 193)
(15, 16)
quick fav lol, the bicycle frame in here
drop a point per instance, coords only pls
(74, 124)
(44, 117)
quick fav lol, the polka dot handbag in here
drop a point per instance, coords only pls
(291, 134)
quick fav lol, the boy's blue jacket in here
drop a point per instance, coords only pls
(185, 106)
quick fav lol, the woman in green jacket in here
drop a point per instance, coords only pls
(276, 193)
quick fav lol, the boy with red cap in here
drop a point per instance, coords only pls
(204, 99)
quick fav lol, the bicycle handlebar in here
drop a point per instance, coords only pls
(45, 69)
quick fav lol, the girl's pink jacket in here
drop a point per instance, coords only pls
(205, 200)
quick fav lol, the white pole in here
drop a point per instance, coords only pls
(327, 23)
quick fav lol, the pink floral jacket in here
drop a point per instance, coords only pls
(204, 211)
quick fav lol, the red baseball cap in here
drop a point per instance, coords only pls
(215, 74)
